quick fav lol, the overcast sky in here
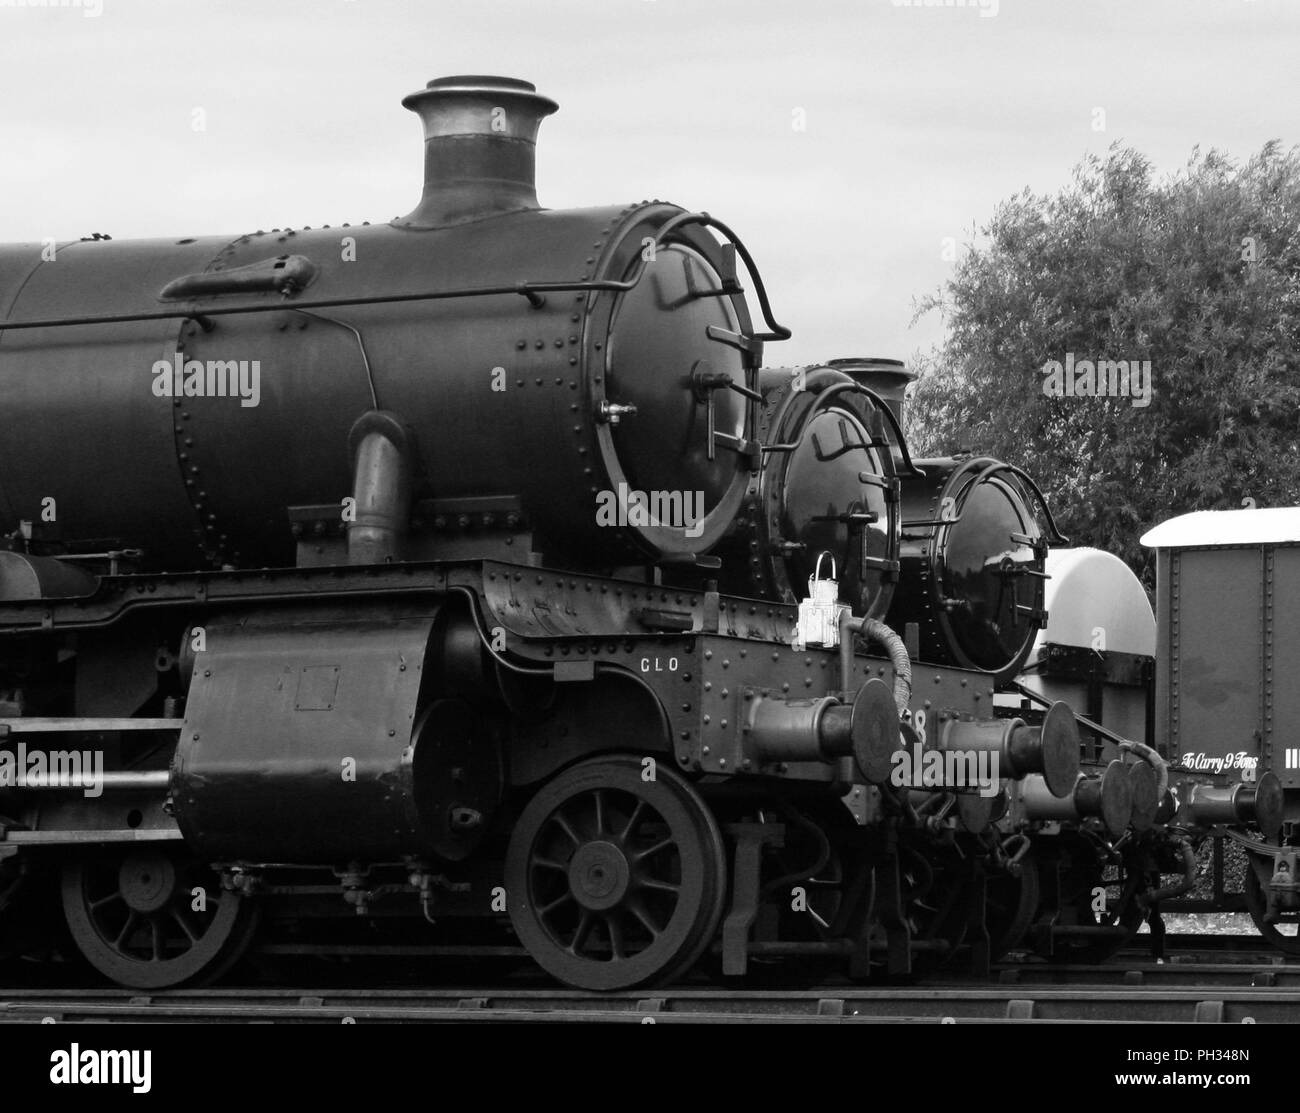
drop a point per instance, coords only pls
(917, 120)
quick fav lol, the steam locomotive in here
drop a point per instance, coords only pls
(468, 585)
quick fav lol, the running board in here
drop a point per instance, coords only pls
(70, 838)
(35, 725)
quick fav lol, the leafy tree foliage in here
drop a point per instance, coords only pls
(1198, 273)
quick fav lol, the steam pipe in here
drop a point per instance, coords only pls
(1178, 888)
(1153, 759)
(878, 632)
(381, 488)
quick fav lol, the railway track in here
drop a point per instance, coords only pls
(1225, 994)
(1202, 979)
(1172, 975)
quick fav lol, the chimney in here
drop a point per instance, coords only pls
(887, 377)
(480, 141)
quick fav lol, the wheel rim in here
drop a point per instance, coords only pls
(1257, 906)
(824, 913)
(937, 908)
(1123, 913)
(614, 881)
(13, 887)
(132, 916)
(936, 897)
(1010, 905)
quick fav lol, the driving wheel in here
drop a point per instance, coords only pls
(614, 880)
(150, 918)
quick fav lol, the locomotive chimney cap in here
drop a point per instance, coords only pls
(864, 366)
(480, 137)
(889, 378)
(475, 104)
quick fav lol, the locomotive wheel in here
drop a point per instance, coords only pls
(614, 881)
(938, 908)
(821, 912)
(14, 888)
(1010, 907)
(131, 915)
(1123, 914)
(824, 890)
(1257, 905)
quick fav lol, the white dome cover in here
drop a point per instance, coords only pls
(1091, 589)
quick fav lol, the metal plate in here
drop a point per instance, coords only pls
(874, 727)
(1060, 749)
(1143, 784)
(297, 738)
(1213, 610)
(1116, 798)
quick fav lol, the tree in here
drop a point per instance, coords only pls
(1199, 275)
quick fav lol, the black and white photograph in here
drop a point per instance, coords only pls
(579, 514)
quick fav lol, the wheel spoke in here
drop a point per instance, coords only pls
(551, 906)
(639, 911)
(184, 923)
(598, 798)
(632, 820)
(658, 886)
(97, 904)
(131, 920)
(155, 933)
(564, 825)
(663, 844)
(580, 935)
(550, 864)
(615, 929)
